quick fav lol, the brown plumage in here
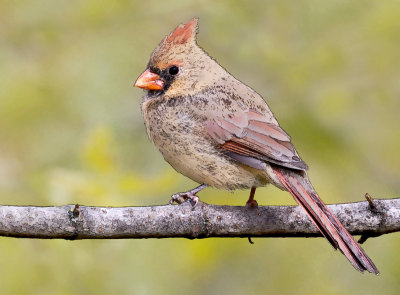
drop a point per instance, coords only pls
(219, 132)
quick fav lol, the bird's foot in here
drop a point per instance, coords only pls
(183, 197)
(252, 204)
(187, 196)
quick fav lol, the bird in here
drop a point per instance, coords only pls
(219, 132)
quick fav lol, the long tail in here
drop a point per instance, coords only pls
(303, 192)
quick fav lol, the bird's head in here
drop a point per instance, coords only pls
(178, 66)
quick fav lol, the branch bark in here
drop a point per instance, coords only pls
(183, 221)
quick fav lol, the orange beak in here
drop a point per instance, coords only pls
(149, 81)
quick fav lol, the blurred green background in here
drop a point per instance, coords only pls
(71, 131)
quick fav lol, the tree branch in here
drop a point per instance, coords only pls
(173, 221)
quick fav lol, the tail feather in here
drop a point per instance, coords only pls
(301, 189)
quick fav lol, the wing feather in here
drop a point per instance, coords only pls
(249, 134)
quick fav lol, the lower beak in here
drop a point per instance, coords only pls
(149, 81)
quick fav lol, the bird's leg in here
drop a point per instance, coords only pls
(189, 195)
(251, 202)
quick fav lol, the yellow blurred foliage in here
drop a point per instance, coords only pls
(97, 150)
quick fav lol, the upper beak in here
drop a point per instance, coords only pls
(149, 81)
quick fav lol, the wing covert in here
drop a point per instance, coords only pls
(249, 134)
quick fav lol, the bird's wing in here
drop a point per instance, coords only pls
(249, 138)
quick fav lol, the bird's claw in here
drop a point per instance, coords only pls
(184, 197)
(187, 196)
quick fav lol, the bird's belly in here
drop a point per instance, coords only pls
(202, 163)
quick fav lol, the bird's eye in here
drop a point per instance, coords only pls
(173, 70)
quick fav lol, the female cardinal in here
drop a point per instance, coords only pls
(219, 132)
